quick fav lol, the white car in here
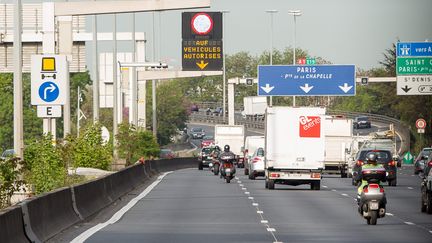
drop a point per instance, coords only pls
(256, 164)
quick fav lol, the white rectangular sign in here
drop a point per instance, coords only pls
(414, 85)
(49, 79)
(49, 111)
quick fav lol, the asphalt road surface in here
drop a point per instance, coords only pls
(196, 206)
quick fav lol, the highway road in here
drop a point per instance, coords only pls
(196, 206)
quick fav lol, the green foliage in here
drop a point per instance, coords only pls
(45, 169)
(134, 144)
(10, 170)
(172, 108)
(89, 151)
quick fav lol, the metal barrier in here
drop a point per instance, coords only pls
(258, 123)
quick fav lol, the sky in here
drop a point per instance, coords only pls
(340, 31)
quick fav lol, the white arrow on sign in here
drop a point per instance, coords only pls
(267, 88)
(306, 88)
(51, 88)
(345, 88)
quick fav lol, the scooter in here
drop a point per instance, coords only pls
(372, 201)
(227, 170)
(215, 166)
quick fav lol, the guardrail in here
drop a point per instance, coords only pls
(41, 218)
(258, 123)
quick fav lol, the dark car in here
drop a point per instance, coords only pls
(205, 157)
(197, 133)
(426, 193)
(8, 153)
(384, 157)
(218, 111)
(421, 160)
(166, 154)
(361, 122)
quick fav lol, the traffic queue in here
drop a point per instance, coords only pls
(282, 156)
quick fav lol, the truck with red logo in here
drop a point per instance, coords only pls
(294, 146)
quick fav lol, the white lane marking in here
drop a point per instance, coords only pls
(389, 214)
(410, 188)
(241, 185)
(251, 198)
(255, 204)
(413, 175)
(345, 195)
(238, 182)
(430, 231)
(119, 214)
(244, 188)
(247, 193)
(260, 212)
(334, 190)
(325, 186)
(264, 221)
(277, 242)
(409, 223)
(271, 230)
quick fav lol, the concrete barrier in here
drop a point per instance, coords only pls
(164, 165)
(91, 197)
(12, 226)
(48, 214)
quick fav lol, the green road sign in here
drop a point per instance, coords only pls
(310, 61)
(408, 158)
(414, 65)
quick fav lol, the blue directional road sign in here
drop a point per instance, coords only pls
(414, 49)
(311, 80)
(48, 91)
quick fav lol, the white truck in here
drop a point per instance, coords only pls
(338, 139)
(254, 106)
(252, 143)
(234, 136)
(294, 146)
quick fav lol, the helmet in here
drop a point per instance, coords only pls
(227, 148)
(371, 157)
(217, 148)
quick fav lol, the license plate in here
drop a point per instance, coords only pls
(228, 170)
(373, 205)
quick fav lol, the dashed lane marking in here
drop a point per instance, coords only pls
(260, 212)
(271, 230)
(255, 204)
(410, 188)
(345, 195)
(409, 223)
(334, 190)
(389, 214)
(243, 188)
(264, 221)
(247, 193)
(250, 198)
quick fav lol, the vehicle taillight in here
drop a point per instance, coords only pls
(227, 165)
(255, 160)
(359, 162)
(315, 175)
(274, 175)
(430, 163)
(392, 163)
(382, 190)
(365, 190)
(374, 186)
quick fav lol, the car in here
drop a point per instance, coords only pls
(218, 111)
(256, 164)
(197, 133)
(385, 158)
(205, 157)
(207, 141)
(8, 153)
(426, 191)
(167, 154)
(421, 160)
(361, 122)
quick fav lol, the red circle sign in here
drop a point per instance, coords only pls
(420, 123)
(201, 23)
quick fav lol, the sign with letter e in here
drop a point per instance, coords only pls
(49, 111)
(49, 79)
(310, 126)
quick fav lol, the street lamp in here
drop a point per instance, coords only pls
(223, 63)
(294, 13)
(271, 12)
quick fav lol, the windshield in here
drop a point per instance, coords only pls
(383, 155)
(207, 150)
(260, 152)
(363, 118)
(197, 130)
(208, 137)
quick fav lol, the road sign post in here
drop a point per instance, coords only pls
(414, 68)
(299, 80)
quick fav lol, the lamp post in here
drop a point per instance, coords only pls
(223, 65)
(294, 13)
(271, 12)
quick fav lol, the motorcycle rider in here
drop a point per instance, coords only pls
(226, 152)
(372, 164)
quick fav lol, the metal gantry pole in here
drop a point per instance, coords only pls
(95, 72)
(295, 13)
(17, 83)
(223, 65)
(78, 111)
(271, 43)
(154, 81)
(115, 87)
(133, 106)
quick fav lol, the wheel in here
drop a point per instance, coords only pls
(368, 220)
(423, 202)
(429, 203)
(315, 185)
(271, 184)
(252, 176)
(344, 175)
(350, 175)
(216, 170)
(373, 217)
(246, 171)
(228, 180)
(416, 172)
(200, 166)
(266, 184)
